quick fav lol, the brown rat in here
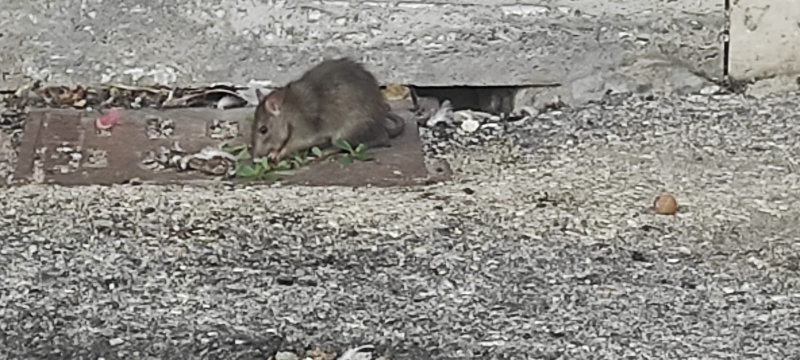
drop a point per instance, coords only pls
(337, 99)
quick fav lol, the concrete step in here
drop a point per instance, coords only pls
(593, 45)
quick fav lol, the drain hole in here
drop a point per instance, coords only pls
(491, 99)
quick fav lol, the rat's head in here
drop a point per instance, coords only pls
(270, 123)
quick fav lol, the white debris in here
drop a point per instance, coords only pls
(443, 115)
(285, 355)
(228, 102)
(529, 111)
(209, 160)
(359, 353)
(710, 90)
(470, 125)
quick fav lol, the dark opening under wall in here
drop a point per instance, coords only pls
(493, 99)
(726, 38)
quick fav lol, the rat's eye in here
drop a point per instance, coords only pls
(263, 129)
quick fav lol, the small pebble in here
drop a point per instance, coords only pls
(285, 355)
(665, 204)
(470, 125)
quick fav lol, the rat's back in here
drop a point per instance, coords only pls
(338, 73)
(345, 92)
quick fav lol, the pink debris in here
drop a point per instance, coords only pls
(108, 120)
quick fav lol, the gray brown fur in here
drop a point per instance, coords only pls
(337, 99)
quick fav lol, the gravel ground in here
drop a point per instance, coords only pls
(543, 246)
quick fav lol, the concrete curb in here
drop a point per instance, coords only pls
(594, 44)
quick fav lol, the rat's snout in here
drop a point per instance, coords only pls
(259, 142)
(258, 147)
(263, 147)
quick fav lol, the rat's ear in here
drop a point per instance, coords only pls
(274, 102)
(260, 95)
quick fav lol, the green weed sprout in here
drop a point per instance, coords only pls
(359, 153)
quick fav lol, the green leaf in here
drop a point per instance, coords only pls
(283, 165)
(360, 148)
(345, 160)
(264, 163)
(232, 149)
(246, 171)
(344, 145)
(261, 169)
(300, 158)
(362, 156)
(316, 151)
(243, 155)
(241, 151)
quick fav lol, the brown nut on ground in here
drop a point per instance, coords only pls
(665, 204)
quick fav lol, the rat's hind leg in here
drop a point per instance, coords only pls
(372, 134)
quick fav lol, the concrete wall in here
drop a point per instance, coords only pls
(765, 38)
(594, 43)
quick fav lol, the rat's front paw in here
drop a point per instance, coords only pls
(277, 155)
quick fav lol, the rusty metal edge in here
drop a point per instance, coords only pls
(23, 174)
